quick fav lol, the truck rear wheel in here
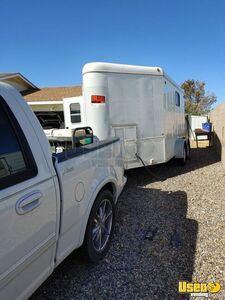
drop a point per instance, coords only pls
(100, 227)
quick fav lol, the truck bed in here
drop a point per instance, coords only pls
(71, 153)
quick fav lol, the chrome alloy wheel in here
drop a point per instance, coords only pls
(102, 225)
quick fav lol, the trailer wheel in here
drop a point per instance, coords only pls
(100, 227)
(188, 150)
(182, 161)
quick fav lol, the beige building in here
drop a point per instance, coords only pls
(217, 117)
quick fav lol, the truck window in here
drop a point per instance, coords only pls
(75, 113)
(16, 162)
(177, 98)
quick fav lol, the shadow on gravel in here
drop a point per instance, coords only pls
(162, 242)
(152, 249)
(200, 158)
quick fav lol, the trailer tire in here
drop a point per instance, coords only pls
(182, 161)
(188, 150)
(100, 227)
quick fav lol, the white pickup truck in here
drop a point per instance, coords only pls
(50, 204)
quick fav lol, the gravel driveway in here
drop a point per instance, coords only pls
(166, 231)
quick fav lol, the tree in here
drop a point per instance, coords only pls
(197, 101)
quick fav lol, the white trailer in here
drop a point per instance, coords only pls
(142, 106)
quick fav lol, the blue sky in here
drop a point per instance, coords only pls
(49, 41)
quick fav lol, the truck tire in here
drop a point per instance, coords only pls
(100, 227)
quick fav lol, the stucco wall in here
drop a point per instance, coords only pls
(217, 117)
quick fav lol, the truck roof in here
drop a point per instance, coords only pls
(120, 68)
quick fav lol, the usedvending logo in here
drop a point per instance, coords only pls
(197, 289)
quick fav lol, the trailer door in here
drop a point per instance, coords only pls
(128, 136)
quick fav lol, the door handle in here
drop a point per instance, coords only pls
(28, 202)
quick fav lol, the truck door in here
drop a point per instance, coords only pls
(74, 115)
(27, 209)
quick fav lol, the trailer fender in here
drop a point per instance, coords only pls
(179, 147)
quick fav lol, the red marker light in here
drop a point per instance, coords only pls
(97, 99)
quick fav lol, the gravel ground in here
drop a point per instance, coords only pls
(166, 231)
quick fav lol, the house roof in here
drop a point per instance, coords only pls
(54, 93)
(22, 84)
(6, 74)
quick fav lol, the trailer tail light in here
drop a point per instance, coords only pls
(97, 99)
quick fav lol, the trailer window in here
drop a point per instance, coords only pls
(75, 113)
(177, 99)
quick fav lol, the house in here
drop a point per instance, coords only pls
(51, 98)
(47, 103)
(37, 97)
(17, 80)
